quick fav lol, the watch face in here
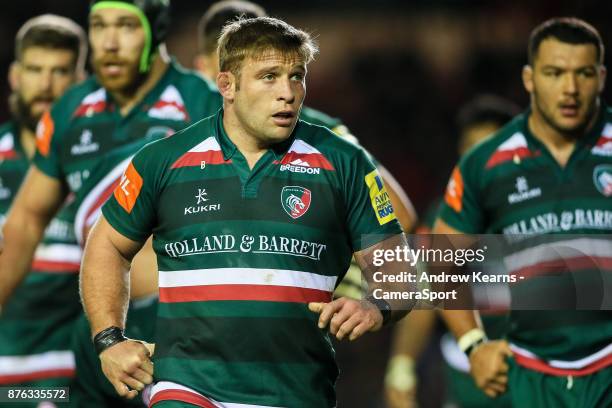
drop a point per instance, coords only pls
(383, 306)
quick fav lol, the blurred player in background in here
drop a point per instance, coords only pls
(36, 325)
(549, 171)
(476, 121)
(207, 62)
(137, 95)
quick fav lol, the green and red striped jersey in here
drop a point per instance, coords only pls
(242, 251)
(36, 323)
(85, 138)
(512, 185)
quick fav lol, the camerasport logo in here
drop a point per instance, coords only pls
(295, 200)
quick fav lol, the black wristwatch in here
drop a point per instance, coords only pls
(107, 338)
(383, 306)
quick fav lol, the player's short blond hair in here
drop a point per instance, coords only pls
(253, 37)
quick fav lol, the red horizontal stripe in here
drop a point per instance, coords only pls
(180, 108)
(162, 104)
(313, 159)
(195, 158)
(269, 293)
(507, 155)
(568, 265)
(55, 266)
(7, 155)
(183, 396)
(37, 375)
(541, 366)
(92, 107)
(603, 140)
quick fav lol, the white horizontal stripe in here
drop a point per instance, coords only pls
(51, 360)
(234, 405)
(453, 355)
(246, 276)
(170, 386)
(568, 365)
(171, 94)
(167, 112)
(58, 253)
(7, 142)
(207, 145)
(94, 97)
(300, 146)
(567, 249)
(514, 142)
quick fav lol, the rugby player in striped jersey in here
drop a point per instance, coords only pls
(248, 254)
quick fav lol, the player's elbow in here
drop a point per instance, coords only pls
(23, 227)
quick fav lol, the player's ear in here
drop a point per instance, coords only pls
(226, 82)
(13, 76)
(603, 73)
(207, 65)
(198, 62)
(528, 78)
(80, 75)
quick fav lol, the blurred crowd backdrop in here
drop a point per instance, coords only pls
(396, 72)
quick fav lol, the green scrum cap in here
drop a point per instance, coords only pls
(154, 15)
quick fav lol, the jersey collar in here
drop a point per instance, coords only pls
(587, 140)
(229, 148)
(151, 97)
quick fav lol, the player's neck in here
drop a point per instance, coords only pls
(251, 148)
(127, 100)
(559, 144)
(27, 138)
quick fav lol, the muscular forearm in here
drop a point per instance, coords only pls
(380, 275)
(21, 236)
(104, 284)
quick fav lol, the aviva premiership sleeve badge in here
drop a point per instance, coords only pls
(379, 198)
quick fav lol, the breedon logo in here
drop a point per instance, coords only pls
(295, 200)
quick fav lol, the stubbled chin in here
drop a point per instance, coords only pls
(114, 83)
(571, 125)
(280, 134)
(37, 113)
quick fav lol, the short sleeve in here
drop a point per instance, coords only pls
(460, 208)
(48, 136)
(131, 209)
(370, 215)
